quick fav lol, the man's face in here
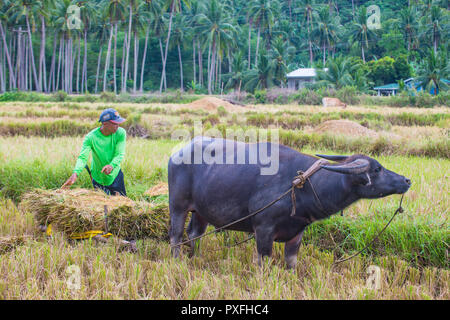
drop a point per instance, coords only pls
(110, 127)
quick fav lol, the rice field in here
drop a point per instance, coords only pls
(412, 254)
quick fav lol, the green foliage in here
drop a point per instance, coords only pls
(23, 96)
(382, 71)
(393, 43)
(221, 111)
(348, 94)
(60, 96)
(402, 68)
(106, 96)
(261, 96)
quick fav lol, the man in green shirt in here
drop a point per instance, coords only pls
(107, 144)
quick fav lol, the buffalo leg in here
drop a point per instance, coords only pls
(196, 227)
(264, 243)
(177, 221)
(291, 249)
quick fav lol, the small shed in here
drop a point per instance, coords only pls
(410, 84)
(298, 78)
(387, 90)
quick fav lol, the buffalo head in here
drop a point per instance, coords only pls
(368, 177)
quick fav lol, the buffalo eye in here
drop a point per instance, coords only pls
(377, 169)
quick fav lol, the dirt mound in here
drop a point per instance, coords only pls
(345, 127)
(160, 189)
(211, 104)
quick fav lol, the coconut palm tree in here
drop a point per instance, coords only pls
(88, 16)
(152, 10)
(114, 12)
(249, 22)
(174, 6)
(131, 5)
(44, 13)
(196, 8)
(436, 23)
(308, 14)
(65, 60)
(178, 39)
(158, 28)
(262, 14)
(260, 77)
(215, 25)
(4, 19)
(280, 55)
(360, 32)
(409, 23)
(140, 19)
(100, 36)
(339, 73)
(433, 71)
(326, 28)
(235, 78)
(27, 9)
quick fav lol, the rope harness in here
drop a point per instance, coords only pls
(298, 182)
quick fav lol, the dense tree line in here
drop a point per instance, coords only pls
(81, 46)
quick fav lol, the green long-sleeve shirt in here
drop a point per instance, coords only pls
(105, 150)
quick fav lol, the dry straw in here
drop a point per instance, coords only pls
(161, 188)
(10, 242)
(81, 210)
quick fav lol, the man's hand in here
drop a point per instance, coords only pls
(70, 181)
(107, 169)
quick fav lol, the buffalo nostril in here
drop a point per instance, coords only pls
(408, 181)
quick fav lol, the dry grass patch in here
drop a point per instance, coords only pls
(157, 190)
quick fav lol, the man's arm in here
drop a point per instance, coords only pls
(81, 162)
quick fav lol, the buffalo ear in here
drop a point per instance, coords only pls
(362, 179)
(332, 157)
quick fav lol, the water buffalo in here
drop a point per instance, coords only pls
(218, 193)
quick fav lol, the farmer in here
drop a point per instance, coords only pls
(107, 144)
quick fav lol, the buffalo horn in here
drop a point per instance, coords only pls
(332, 158)
(355, 167)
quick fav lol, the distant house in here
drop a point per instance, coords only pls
(298, 78)
(392, 88)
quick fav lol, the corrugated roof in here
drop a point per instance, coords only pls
(387, 86)
(303, 73)
(408, 82)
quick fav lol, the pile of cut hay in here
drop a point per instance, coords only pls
(10, 242)
(80, 210)
(157, 190)
(212, 103)
(345, 127)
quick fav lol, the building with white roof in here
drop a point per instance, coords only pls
(298, 78)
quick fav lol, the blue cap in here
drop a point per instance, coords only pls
(111, 115)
